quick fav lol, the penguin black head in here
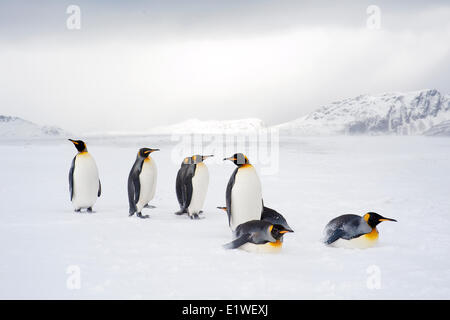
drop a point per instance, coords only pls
(199, 158)
(80, 145)
(145, 152)
(239, 159)
(277, 231)
(373, 219)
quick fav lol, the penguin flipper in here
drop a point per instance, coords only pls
(179, 186)
(134, 189)
(228, 193)
(187, 187)
(243, 239)
(99, 188)
(72, 169)
(337, 234)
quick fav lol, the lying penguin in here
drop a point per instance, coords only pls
(265, 235)
(353, 231)
(271, 217)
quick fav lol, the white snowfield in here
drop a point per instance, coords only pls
(43, 243)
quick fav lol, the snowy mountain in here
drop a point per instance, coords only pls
(18, 128)
(410, 113)
(441, 129)
(211, 127)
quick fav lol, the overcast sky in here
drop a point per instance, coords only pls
(134, 65)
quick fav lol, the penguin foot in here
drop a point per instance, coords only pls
(77, 210)
(149, 206)
(131, 214)
(194, 216)
(141, 216)
(180, 212)
(89, 209)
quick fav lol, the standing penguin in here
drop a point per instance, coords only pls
(191, 185)
(84, 184)
(243, 195)
(142, 182)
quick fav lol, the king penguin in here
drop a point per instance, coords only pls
(84, 184)
(261, 233)
(191, 185)
(274, 218)
(142, 182)
(353, 231)
(243, 194)
(271, 216)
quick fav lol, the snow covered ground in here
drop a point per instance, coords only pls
(172, 257)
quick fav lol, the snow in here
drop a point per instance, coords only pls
(172, 257)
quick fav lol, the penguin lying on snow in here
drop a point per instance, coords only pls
(272, 216)
(142, 182)
(84, 184)
(191, 185)
(258, 232)
(353, 231)
(243, 194)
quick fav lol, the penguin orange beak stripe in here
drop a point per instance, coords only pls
(285, 231)
(74, 142)
(388, 219)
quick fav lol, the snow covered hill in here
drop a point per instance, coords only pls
(441, 129)
(410, 113)
(18, 128)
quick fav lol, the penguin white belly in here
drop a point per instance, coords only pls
(246, 197)
(147, 179)
(362, 242)
(270, 247)
(200, 182)
(85, 181)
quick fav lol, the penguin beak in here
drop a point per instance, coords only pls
(73, 141)
(286, 231)
(387, 219)
(153, 150)
(230, 158)
(208, 156)
(222, 208)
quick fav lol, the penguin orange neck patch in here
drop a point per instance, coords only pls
(277, 243)
(373, 235)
